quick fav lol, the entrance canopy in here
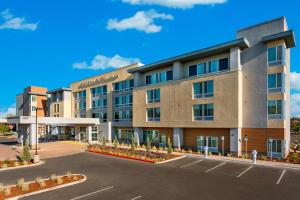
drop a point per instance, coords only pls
(53, 121)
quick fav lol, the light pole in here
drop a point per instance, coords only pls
(222, 138)
(36, 130)
(271, 145)
(246, 141)
(202, 143)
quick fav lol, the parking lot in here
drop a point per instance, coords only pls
(186, 178)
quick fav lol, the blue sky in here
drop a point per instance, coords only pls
(48, 43)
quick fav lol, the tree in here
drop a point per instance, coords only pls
(169, 146)
(26, 155)
(116, 142)
(148, 145)
(132, 143)
(4, 129)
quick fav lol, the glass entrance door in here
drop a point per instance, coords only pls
(209, 141)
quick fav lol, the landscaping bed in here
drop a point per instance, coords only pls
(26, 188)
(13, 163)
(134, 154)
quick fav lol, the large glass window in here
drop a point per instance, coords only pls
(275, 109)
(275, 82)
(212, 66)
(123, 115)
(204, 89)
(203, 112)
(153, 95)
(193, 70)
(153, 114)
(94, 133)
(223, 64)
(209, 141)
(123, 85)
(275, 55)
(159, 77)
(101, 90)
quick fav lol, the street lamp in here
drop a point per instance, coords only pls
(36, 129)
(271, 145)
(222, 138)
(246, 141)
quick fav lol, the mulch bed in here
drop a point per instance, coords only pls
(139, 155)
(11, 163)
(34, 186)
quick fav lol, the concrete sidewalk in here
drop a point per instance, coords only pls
(47, 150)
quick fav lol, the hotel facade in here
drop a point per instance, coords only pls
(233, 96)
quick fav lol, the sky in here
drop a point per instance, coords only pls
(52, 43)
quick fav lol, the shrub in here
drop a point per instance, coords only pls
(7, 191)
(116, 143)
(190, 151)
(53, 177)
(229, 155)
(25, 162)
(26, 155)
(4, 165)
(40, 181)
(294, 157)
(169, 146)
(75, 178)
(16, 164)
(69, 174)
(6, 162)
(103, 142)
(209, 153)
(244, 156)
(20, 182)
(25, 187)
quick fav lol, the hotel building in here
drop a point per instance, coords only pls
(234, 95)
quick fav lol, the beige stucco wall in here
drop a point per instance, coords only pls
(120, 74)
(176, 103)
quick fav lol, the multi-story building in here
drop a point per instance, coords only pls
(31, 98)
(60, 103)
(107, 97)
(235, 94)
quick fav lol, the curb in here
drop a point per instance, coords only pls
(50, 189)
(247, 162)
(23, 166)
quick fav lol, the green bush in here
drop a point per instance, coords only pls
(26, 155)
(169, 146)
(294, 157)
(116, 143)
(4, 129)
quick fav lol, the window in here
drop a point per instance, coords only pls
(193, 70)
(275, 109)
(81, 94)
(57, 108)
(153, 95)
(100, 103)
(94, 133)
(102, 90)
(123, 115)
(275, 55)
(82, 106)
(155, 138)
(210, 142)
(204, 89)
(203, 112)
(153, 114)
(123, 100)
(275, 146)
(212, 66)
(124, 85)
(82, 133)
(223, 64)
(159, 77)
(33, 108)
(33, 98)
(275, 82)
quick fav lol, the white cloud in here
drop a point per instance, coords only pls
(295, 105)
(295, 81)
(142, 21)
(182, 4)
(16, 23)
(101, 62)
(10, 111)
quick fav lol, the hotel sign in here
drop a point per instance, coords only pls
(97, 81)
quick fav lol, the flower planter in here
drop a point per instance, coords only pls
(34, 187)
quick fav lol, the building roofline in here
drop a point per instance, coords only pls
(138, 63)
(263, 23)
(37, 93)
(216, 49)
(59, 89)
(287, 36)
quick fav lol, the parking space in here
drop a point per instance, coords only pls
(244, 172)
(187, 178)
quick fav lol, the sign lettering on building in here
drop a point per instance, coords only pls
(97, 81)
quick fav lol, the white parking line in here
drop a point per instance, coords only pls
(215, 167)
(281, 176)
(238, 176)
(89, 194)
(136, 197)
(186, 165)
